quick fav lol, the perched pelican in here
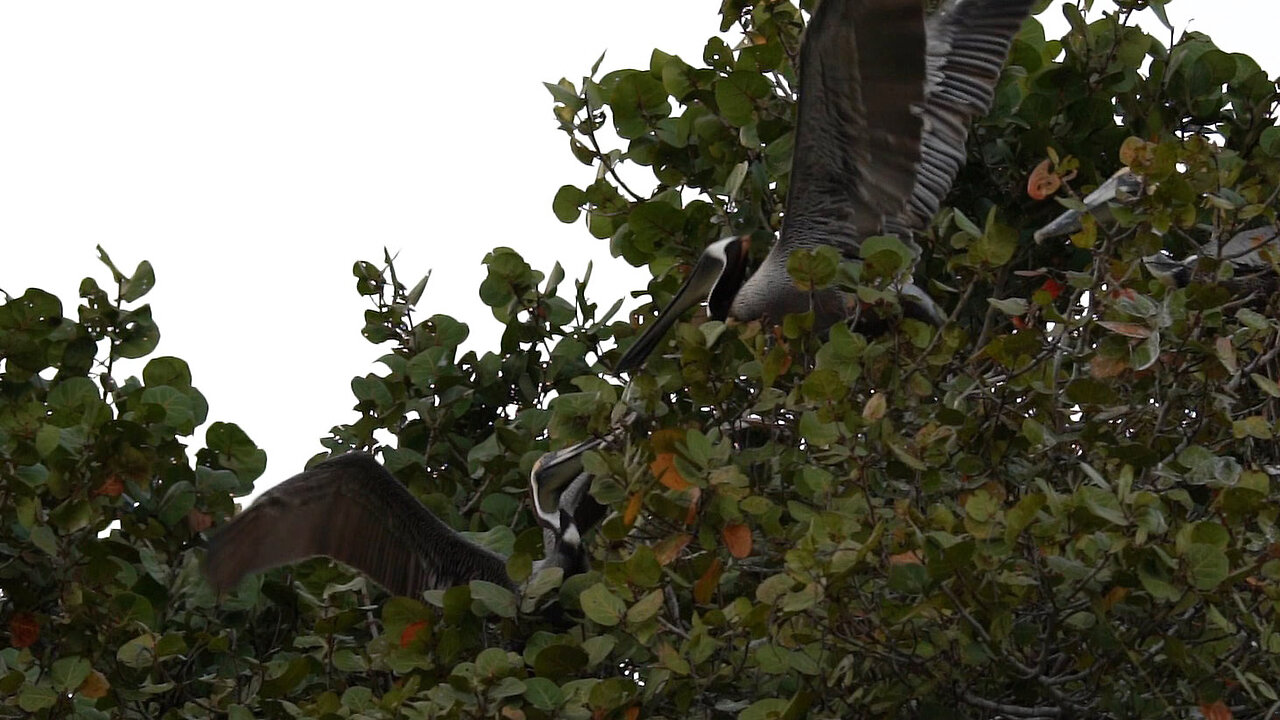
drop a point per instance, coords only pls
(885, 101)
(1250, 252)
(351, 509)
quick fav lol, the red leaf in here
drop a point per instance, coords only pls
(24, 630)
(1053, 287)
(411, 632)
(112, 487)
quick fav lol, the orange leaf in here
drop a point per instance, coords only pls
(1216, 711)
(1113, 596)
(95, 686)
(665, 441)
(112, 487)
(24, 630)
(1043, 182)
(669, 548)
(632, 511)
(706, 585)
(694, 495)
(511, 712)
(663, 468)
(1105, 366)
(632, 713)
(411, 632)
(738, 539)
(910, 557)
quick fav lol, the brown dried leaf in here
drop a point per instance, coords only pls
(737, 538)
(1133, 330)
(1043, 182)
(706, 585)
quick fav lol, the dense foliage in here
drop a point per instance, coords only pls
(1059, 505)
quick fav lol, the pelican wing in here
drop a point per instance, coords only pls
(351, 509)
(862, 71)
(967, 47)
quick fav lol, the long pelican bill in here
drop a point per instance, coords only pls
(1123, 185)
(700, 283)
(551, 474)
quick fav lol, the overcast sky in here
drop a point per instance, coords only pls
(253, 150)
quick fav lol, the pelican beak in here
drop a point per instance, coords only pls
(551, 474)
(917, 304)
(1123, 186)
(721, 264)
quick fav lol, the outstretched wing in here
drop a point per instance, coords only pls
(351, 509)
(862, 73)
(968, 44)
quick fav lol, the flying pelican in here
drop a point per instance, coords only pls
(351, 509)
(1250, 252)
(885, 102)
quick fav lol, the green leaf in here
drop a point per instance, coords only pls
(139, 284)
(1207, 566)
(567, 204)
(543, 694)
(495, 598)
(34, 698)
(767, 709)
(1103, 504)
(602, 606)
(43, 538)
(69, 672)
(646, 608)
(138, 652)
(737, 95)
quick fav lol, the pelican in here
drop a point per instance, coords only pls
(885, 101)
(1250, 252)
(351, 509)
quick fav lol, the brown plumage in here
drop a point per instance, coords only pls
(351, 509)
(885, 102)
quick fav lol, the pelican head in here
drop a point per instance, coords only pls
(717, 276)
(560, 488)
(1123, 187)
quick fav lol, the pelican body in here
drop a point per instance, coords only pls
(885, 102)
(351, 509)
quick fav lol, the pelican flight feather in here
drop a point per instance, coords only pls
(351, 509)
(885, 102)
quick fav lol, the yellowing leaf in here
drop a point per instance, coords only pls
(95, 686)
(669, 548)
(875, 407)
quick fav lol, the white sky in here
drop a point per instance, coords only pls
(252, 151)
